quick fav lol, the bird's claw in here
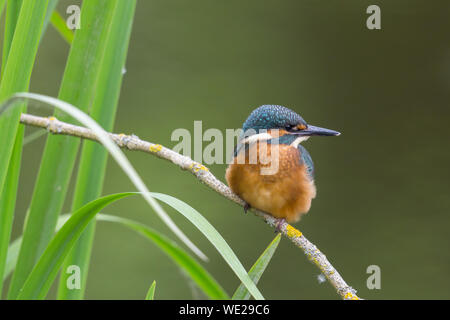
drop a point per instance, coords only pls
(279, 224)
(246, 207)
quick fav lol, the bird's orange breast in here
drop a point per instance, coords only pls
(286, 193)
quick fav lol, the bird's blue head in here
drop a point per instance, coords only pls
(269, 117)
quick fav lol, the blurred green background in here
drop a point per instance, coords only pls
(383, 185)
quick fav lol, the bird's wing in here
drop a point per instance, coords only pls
(305, 158)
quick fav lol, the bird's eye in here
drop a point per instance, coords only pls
(296, 127)
(292, 128)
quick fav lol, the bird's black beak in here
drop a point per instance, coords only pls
(315, 131)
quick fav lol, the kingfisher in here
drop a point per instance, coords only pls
(271, 138)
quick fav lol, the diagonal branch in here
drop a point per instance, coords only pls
(205, 176)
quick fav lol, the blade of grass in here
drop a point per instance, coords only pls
(214, 237)
(258, 269)
(46, 269)
(11, 260)
(8, 201)
(22, 33)
(14, 248)
(60, 25)
(198, 274)
(93, 158)
(11, 16)
(78, 86)
(8, 196)
(2, 6)
(151, 292)
(50, 9)
(18, 62)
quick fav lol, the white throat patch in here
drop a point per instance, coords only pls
(257, 137)
(298, 141)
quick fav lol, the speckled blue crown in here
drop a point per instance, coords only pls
(271, 117)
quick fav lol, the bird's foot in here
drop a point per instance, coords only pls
(246, 207)
(279, 224)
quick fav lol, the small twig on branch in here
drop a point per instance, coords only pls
(205, 176)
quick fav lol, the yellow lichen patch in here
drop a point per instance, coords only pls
(155, 148)
(350, 296)
(197, 167)
(201, 167)
(52, 118)
(292, 232)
